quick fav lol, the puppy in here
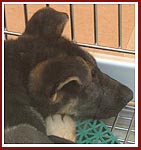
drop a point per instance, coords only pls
(46, 74)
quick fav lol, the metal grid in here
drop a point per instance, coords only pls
(123, 124)
(95, 45)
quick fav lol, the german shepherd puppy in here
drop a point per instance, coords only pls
(46, 74)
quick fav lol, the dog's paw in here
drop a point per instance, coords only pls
(61, 126)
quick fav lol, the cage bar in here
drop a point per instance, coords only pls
(128, 142)
(5, 23)
(72, 22)
(114, 124)
(47, 5)
(25, 13)
(95, 24)
(106, 48)
(129, 129)
(12, 33)
(119, 25)
(121, 128)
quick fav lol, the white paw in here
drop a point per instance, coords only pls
(63, 127)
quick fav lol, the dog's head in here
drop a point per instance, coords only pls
(68, 85)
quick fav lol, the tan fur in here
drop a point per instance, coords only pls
(67, 81)
(35, 78)
(69, 108)
(57, 97)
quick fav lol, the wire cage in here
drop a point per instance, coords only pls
(123, 125)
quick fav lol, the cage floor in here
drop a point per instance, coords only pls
(123, 126)
(116, 130)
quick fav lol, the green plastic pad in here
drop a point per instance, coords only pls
(94, 132)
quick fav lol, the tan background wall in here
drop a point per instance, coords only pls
(83, 17)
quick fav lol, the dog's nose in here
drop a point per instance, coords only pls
(127, 94)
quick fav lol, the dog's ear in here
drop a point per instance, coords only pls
(69, 85)
(46, 23)
(57, 77)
